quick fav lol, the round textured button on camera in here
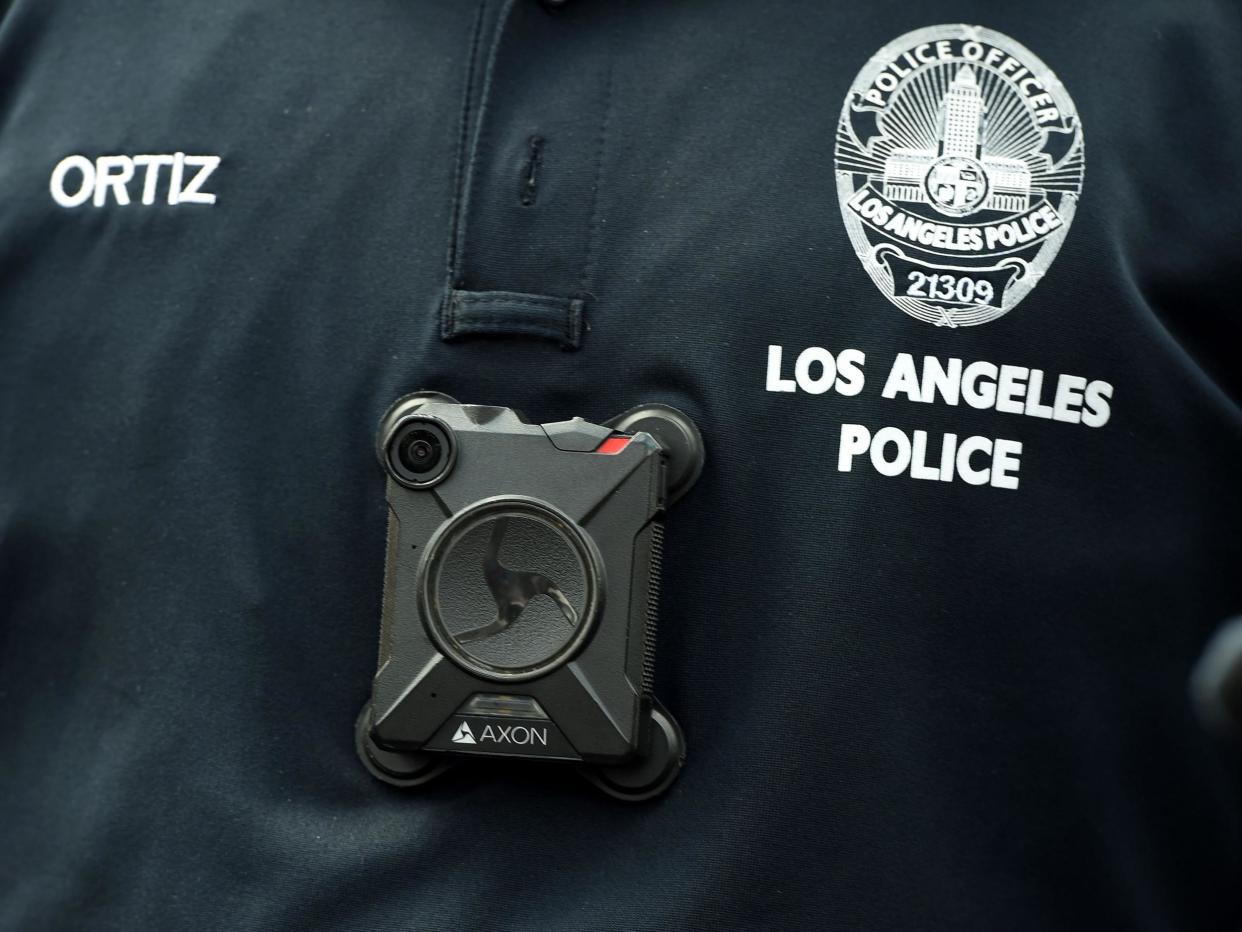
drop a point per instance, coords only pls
(509, 588)
(419, 451)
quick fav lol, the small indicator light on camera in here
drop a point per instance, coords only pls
(614, 444)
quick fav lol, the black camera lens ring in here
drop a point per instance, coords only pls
(419, 451)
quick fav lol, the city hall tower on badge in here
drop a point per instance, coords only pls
(958, 177)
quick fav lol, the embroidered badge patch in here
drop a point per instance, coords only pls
(959, 161)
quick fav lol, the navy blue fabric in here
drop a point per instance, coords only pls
(908, 705)
(505, 313)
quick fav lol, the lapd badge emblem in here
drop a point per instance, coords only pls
(959, 161)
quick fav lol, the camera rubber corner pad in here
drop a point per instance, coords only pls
(521, 593)
(404, 769)
(676, 433)
(649, 774)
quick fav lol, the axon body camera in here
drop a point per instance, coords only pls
(520, 592)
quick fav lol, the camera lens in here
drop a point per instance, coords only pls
(420, 452)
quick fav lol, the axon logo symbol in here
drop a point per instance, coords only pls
(77, 179)
(502, 734)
